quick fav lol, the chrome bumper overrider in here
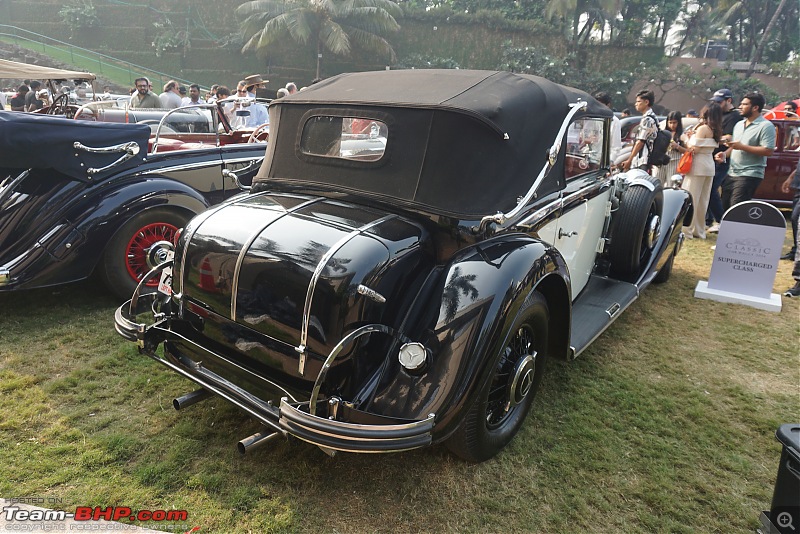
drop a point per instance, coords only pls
(349, 430)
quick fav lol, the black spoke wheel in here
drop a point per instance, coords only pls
(136, 247)
(504, 401)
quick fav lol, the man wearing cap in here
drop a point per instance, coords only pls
(730, 116)
(753, 142)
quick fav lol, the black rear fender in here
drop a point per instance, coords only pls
(75, 241)
(477, 299)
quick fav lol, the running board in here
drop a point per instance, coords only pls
(599, 304)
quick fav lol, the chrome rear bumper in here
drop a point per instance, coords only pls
(344, 428)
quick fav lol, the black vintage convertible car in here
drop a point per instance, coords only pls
(414, 248)
(79, 197)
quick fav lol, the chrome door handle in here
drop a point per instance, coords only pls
(562, 233)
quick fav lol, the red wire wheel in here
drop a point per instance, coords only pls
(139, 245)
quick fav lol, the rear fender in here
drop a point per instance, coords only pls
(477, 300)
(74, 244)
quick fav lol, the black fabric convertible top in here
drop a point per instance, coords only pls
(463, 143)
(496, 97)
(33, 141)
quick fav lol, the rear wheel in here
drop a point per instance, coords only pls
(138, 246)
(637, 226)
(503, 403)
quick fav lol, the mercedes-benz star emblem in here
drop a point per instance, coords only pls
(755, 212)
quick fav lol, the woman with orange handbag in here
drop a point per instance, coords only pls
(698, 180)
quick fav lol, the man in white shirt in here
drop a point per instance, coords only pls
(249, 113)
(194, 96)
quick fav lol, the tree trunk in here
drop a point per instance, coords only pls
(763, 42)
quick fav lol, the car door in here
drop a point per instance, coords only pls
(584, 200)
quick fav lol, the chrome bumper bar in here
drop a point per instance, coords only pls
(354, 431)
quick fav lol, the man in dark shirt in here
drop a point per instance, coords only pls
(32, 103)
(730, 116)
(18, 100)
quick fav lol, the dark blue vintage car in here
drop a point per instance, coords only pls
(414, 248)
(80, 197)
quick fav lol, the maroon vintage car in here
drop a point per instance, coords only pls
(782, 162)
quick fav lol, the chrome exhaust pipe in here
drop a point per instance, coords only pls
(256, 440)
(190, 398)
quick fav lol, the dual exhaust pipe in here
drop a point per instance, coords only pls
(247, 444)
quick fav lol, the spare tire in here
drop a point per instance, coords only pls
(637, 226)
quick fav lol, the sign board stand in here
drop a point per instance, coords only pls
(746, 257)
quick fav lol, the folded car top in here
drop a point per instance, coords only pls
(31, 141)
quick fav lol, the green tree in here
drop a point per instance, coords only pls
(325, 25)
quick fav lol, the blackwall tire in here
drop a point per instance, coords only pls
(504, 402)
(124, 260)
(636, 227)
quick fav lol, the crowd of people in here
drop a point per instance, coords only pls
(242, 108)
(729, 147)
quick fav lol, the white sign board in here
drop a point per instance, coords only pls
(746, 257)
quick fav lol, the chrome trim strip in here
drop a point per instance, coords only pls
(8, 185)
(184, 167)
(501, 218)
(200, 219)
(246, 247)
(205, 381)
(541, 214)
(243, 159)
(346, 340)
(312, 285)
(130, 149)
(359, 426)
(126, 325)
(330, 434)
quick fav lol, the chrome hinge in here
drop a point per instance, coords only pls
(601, 245)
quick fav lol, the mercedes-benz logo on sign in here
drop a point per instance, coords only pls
(755, 212)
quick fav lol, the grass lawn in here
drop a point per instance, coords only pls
(665, 424)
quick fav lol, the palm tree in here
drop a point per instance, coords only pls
(767, 32)
(332, 25)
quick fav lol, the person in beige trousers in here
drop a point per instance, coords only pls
(702, 143)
